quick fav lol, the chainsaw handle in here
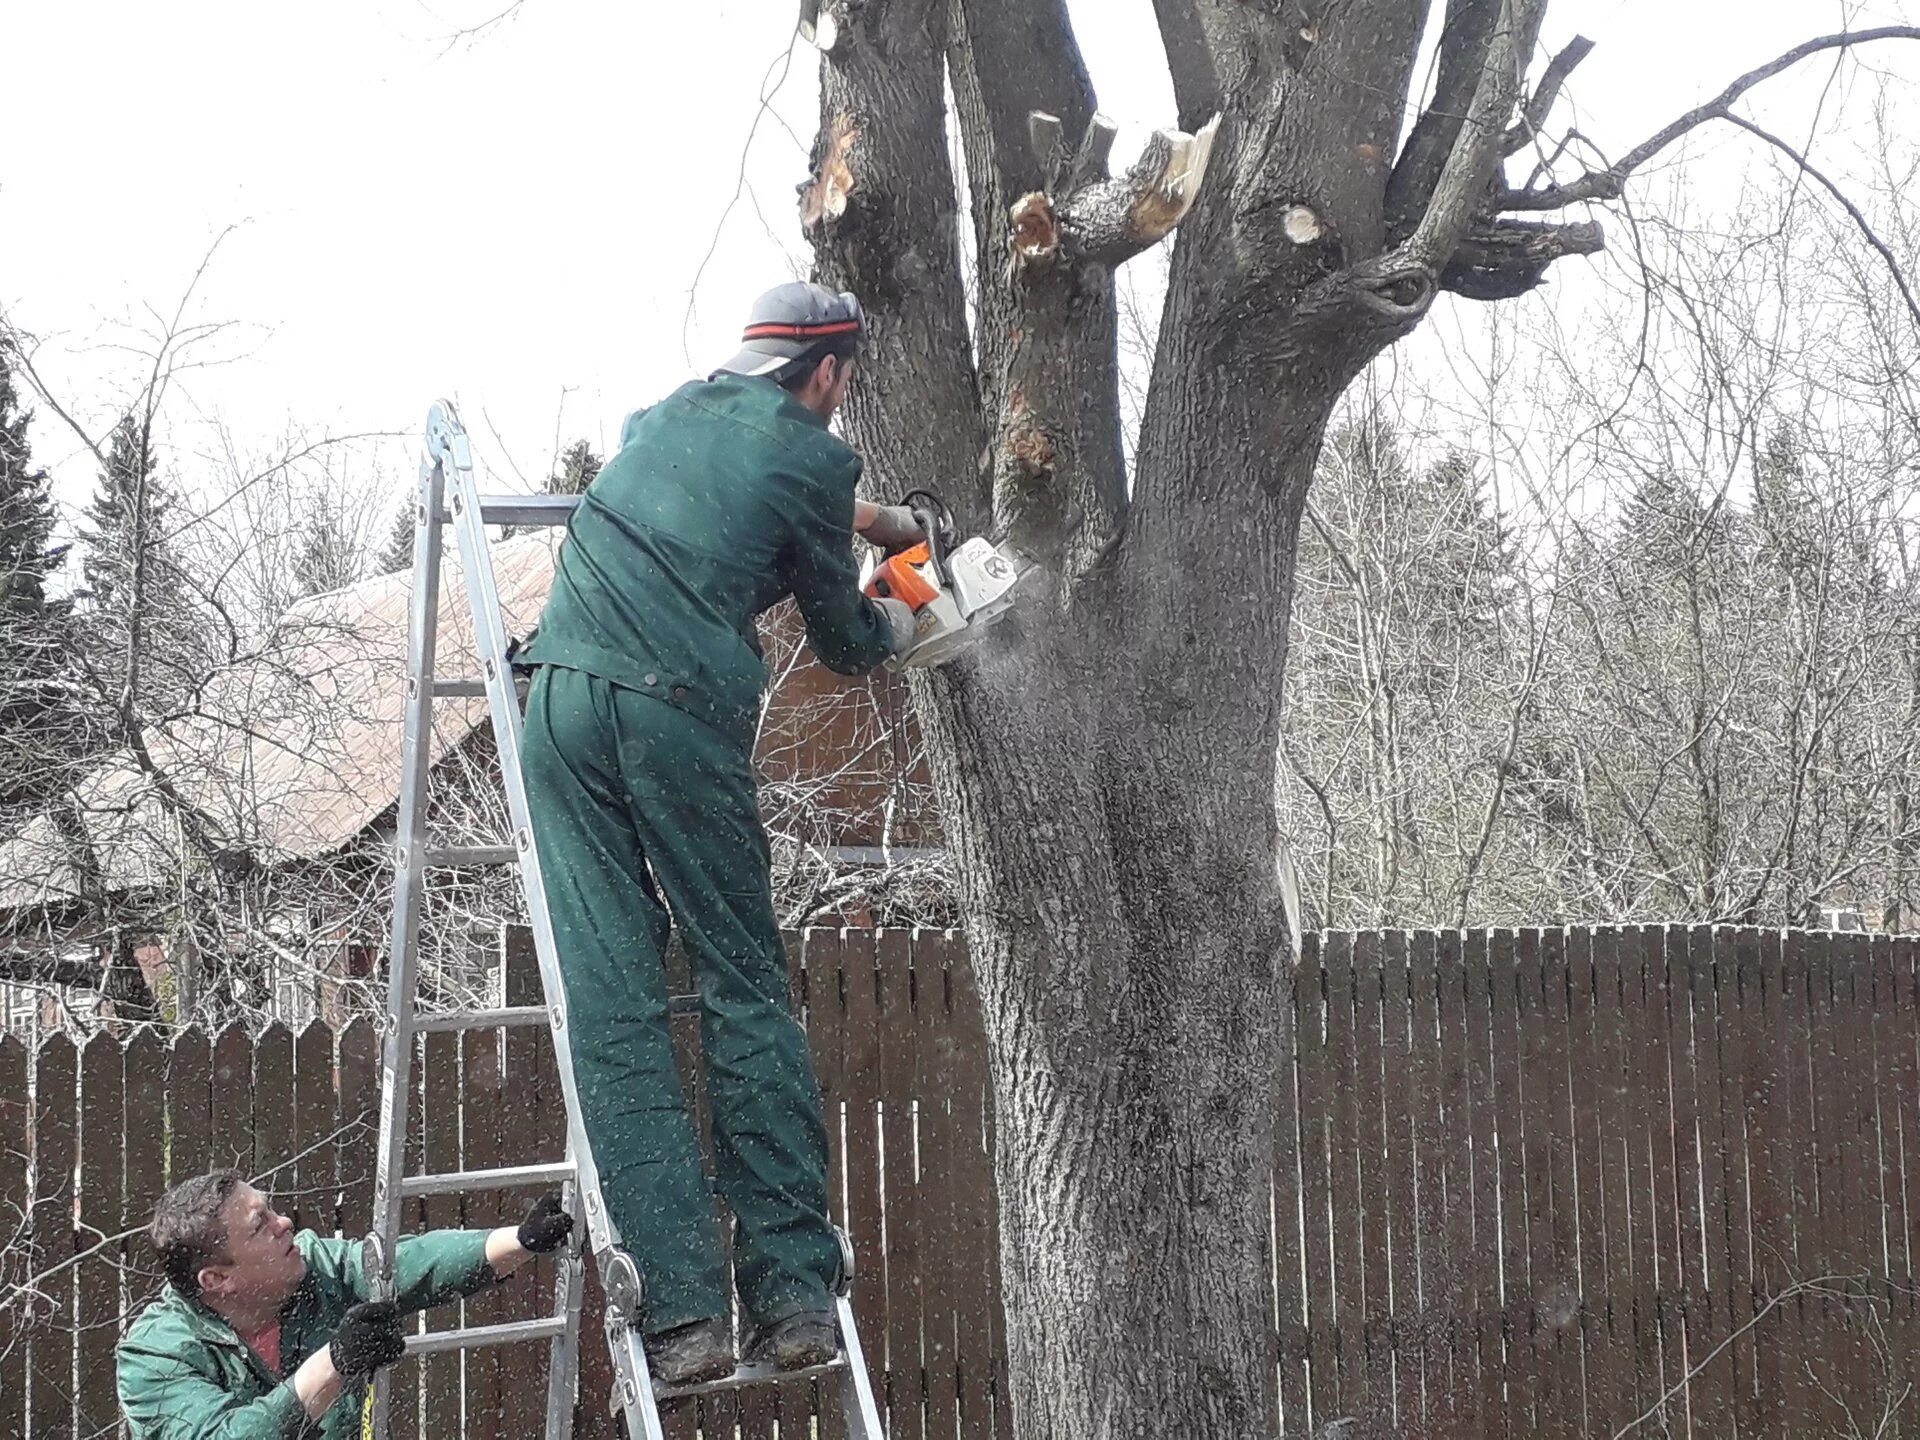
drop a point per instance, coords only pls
(936, 522)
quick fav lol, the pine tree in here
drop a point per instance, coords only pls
(578, 466)
(330, 557)
(399, 552)
(138, 603)
(35, 714)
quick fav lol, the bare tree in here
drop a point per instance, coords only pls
(1105, 767)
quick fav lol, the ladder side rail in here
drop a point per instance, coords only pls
(490, 640)
(403, 954)
(503, 702)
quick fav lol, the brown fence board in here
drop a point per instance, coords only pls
(272, 1165)
(1794, 1320)
(1555, 1256)
(1343, 1159)
(974, 1221)
(1599, 1401)
(1732, 957)
(1401, 1143)
(940, 1247)
(189, 1105)
(1316, 1119)
(316, 1175)
(1827, 1232)
(1899, 1080)
(356, 1117)
(1489, 1412)
(1660, 1329)
(441, 1375)
(481, 1149)
(821, 951)
(55, 1114)
(1371, 1402)
(1429, 1091)
(16, 1197)
(145, 1066)
(1859, 1162)
(1453, 1289)
(97, 1276)
(1518, 1372)
(906, 1387)
(524, 1065)
(230, 1101)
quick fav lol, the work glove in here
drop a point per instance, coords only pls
(899, 618)
(546, 1227)
(895, 528)
(369, 1338)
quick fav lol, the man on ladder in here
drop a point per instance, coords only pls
(724, 498)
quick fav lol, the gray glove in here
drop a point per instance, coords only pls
(894, 528)
(900, 617)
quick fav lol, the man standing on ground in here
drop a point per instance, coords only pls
(724, 498)
(263, 1329)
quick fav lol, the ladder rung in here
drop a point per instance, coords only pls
(455, 1182)
(477, 1336)
(760, 1374)
(460, 689)
(480, 1019)
(450, 856)
(523, 509)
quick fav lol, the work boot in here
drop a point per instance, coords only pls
(799, 1342)
(692, 1354)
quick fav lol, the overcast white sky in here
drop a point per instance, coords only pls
(519, 221)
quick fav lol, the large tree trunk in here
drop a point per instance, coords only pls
(1106, 760)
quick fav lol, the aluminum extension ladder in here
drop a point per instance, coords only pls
(448, 496)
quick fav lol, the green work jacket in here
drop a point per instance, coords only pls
(185, 1375)
(725, 497)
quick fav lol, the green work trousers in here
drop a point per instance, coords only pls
(642, 811)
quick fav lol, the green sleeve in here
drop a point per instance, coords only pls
(442, 1265)
(165, 1398)
(846, 629)
(429, 1270)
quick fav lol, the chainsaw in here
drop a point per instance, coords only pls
(954, 591)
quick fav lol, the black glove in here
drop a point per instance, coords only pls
(894, 528)
(369, 1338)
(546, 1227)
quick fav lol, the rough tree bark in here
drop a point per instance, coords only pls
(1105, 765)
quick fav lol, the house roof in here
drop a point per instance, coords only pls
(292, 751)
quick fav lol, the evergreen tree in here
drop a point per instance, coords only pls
(138, 603)
(578, 466)
(329, 557)
(398, 554)
(35, 714)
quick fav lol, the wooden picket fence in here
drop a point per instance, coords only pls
(1641, 1181)
(895, 1030)
(1583, 1182)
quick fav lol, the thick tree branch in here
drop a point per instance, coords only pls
(1462, 64)
(879, 210)
(1196, 87)
(1110, 221)
(1502, 259)
(1607, 184)
(1546, 95)
(1463, 181)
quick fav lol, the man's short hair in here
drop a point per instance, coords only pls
(187, 1231)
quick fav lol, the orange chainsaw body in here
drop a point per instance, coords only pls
(908, 577)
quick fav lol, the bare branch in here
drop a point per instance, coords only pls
(1607, 184)
(1865, 226)
(1546, 95)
